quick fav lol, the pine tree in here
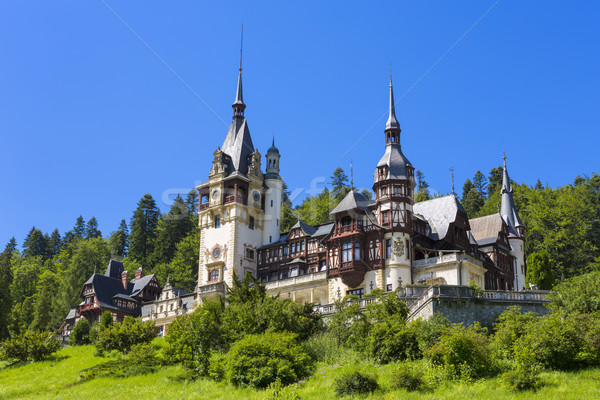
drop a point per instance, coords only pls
(143, 230)
(79, 228)
(473, 202)
(287, 217)
(46, 289)
(339, 182)
(422, 188)
(172, 227)
(6, 278)
(495, 181)
(35, 244)
(54, 243)
(480, 183)
(119, 240)
(191, 201)
(91, 229)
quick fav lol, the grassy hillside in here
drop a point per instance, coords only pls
(59, 379)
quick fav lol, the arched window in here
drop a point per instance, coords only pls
(357, 251)
(213, 275)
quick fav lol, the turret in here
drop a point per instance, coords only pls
(273, 196)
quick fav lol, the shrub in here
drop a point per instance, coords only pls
(509, 327)
(81, 333)
(429, 332)
(405, 378)
(30, 345)
(354, 382)
(553, 342)
(523, 378)
(464, 352)
(276, 391)
(106, 320)
(123, 336)
(217, 366)
(577, 294)
(259, 360)
(393, 341)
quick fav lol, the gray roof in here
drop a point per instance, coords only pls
(123, 296)
(439, 213)
(486, 229)
(273, 149)
(308, 229)
(239, 95)
(296, 261)
(395, 161)
(507, 208)
(114, 269)
(71, 314)
(352, 201)
(238, 145)
(140, 284)
(323, 230)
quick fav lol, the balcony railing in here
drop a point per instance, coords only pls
(297, 280)
(235, 199)
(212, 289)
(353, 227)
(453, 257)
(203, 206)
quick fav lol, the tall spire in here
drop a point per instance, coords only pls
(508, 211)
(392, 127)
(238, 105)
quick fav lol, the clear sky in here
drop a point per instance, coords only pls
(104, 101)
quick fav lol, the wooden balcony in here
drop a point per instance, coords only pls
(354, 227)
(235, 199)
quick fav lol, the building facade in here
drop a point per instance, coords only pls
(383, 243)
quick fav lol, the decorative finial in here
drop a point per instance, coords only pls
(452, 170)
(273, 138)
(241, 46)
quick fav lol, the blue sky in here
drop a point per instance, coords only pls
(94, 114)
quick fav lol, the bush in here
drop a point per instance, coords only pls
(29, 345)
(553, 343)
(123, 336)
(393, 341)
(259, 360)
(404, 378)
(355, 382)
(510, 326)
(577, 294)
(523, 378)
(429, 332)
(81, 333)
(276, 391)
(464, 352)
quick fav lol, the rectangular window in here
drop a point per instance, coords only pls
(302, 246)
(271, 203)
(250, 254)
(294, 272)
(273, 276)
(388, 248)
(357, 251)
(217, 221)
(346, 252)
(285, 251)
(385, 217)
(283, 275)
(408, 249)
(388, 287)
(384, 191)
(251, 223)
(322, 265)
(356, 292)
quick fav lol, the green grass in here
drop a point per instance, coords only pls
(59, 379)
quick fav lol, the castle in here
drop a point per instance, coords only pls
(384, 243)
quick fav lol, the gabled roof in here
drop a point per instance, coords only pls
(323, 230)
(352, 201)
(486, 229)
(308, 229)
(137, 285)
(439, 214)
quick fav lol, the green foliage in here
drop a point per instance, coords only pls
(577, 294)
(36, 244)
(277, 391)
(392, 341)
(259, 360)
(29, 345)
(510, 326)
(539, 271)
(182, 270)
(408, 379)
(429, 332)
(523, 378)
(81, 333)
(122, 336)
(339, 183)
(472, 202)
(119, 240)
(464, 352)
(171, 229)
(422, 193)
(6, 279)
(91, 229)
(355, 383)
(141, 360)
(495, 181)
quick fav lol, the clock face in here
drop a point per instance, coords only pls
(215, 194)
(216, 252)
(256, 196)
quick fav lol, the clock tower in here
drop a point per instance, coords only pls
(239, 206)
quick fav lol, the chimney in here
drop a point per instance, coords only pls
(124, 279)
(139, 273)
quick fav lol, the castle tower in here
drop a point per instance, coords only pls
(516, 237)
(394, 184)
(273, 196)
(232, 207)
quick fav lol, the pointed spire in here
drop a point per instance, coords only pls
(392, 122)
(508, 211)
(238, 104)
